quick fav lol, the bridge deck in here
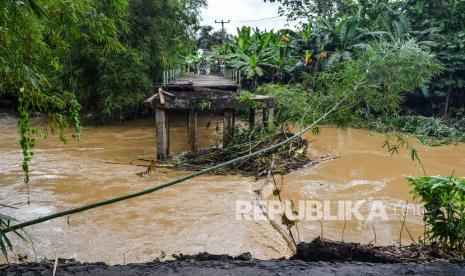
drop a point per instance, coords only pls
(189, 91)
(195, 93)
(210, 81)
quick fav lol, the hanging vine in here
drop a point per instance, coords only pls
(62, 112)
(27, 140)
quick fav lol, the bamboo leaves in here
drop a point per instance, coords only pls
(36, 8)
(5, 243)
(102, 56)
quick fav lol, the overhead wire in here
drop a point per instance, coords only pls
(273, 18)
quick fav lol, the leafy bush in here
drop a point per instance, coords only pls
(294, 102)
(378, 80)
(429, 130)
(444, 204)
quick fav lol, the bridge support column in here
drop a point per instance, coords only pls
(163, 136)
(228, 126)
(256, 116)
(268, 114)
(192, 130)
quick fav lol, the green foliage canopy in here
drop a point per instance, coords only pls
(378, 78)
(102, 57)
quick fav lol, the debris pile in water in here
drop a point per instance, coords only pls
(282, 160)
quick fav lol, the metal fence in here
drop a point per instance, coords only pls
(228, 73)
(233, 75)
(171, 75)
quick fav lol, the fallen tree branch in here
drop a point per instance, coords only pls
(287, 238)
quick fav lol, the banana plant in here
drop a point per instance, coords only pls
(251, 52)
(339, 39)
(400, 30)
(263, 55)
(253, 65)
(286, 54)
(194, 61)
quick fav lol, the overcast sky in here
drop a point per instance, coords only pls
(254, 13)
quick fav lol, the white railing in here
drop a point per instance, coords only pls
(233, 75)
(171, 75)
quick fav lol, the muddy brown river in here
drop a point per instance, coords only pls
(200, 214)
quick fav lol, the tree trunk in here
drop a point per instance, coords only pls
(449, 90)
(368, 111)
(446, 105)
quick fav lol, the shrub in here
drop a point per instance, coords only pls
(294, 102)
(429, 130)
(444, 205)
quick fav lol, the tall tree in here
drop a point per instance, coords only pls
(304, 11)
(209, 38)
(36, 39)
(447, 17)
(104, 56)
(113, 84)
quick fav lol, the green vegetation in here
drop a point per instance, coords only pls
(362, 81)
(444, 204)
(91, 60)
(332, 34)
(99, 57)
(5, 243)
(261, 55)
(434, 24)
(429, 130)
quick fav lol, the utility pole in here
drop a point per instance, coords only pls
(222, 22)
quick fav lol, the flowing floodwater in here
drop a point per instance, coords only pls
(200, 214)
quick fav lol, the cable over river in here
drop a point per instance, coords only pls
(200, 214)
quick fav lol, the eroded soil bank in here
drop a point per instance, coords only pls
(319, 257)
(240, 267)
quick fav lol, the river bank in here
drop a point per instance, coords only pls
(243, 267)
(319, 257)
